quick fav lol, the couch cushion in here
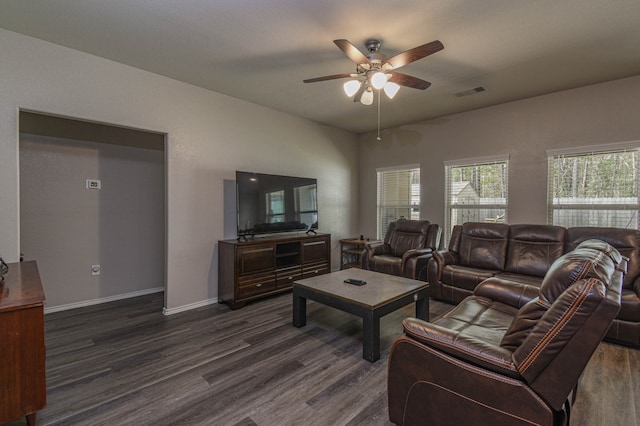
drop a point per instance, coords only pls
(408, 234)
(465, 277)
(626, 241)
(386, 264)
(522, 279)
(484, 245)
(586, 261)
(533, 248)
(592, 259)
(522, 324)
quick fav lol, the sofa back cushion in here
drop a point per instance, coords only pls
(593, 259)
(407, 235)
(484, 245)
(533, 248)
(626, 241)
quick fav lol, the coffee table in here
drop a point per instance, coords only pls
(381, 295)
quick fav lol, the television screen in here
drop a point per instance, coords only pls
(272, 203)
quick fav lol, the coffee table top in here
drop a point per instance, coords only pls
(379, 289)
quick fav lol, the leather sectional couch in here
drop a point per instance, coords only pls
(523, 254)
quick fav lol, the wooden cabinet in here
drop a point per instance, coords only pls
(249, 270)
(23, 388)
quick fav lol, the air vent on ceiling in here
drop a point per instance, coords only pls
(471, 91)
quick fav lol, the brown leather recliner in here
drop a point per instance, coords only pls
(405, 251)
(510, 353)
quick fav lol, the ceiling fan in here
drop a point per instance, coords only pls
(375, 71)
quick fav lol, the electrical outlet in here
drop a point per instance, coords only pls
(94, 184)
(95, 269)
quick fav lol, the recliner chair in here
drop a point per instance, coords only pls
(405, 251)
(510, 354)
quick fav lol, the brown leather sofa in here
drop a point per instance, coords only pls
(523, 254)
(509, 354)
(405, 251)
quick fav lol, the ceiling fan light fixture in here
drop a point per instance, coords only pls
(378, 80)
(351, 87)
(367, 97)
(391, 89)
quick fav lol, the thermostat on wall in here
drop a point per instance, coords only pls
(94, 184)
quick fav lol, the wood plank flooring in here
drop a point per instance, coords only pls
(124, 363)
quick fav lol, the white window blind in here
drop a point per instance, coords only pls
(595, 187)
(476, 190)
(398, 196)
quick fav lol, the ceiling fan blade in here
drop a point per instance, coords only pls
(411, 55)
(409, 81)
(352, 52)
(327, 77)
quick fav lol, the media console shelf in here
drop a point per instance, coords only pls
(253, 269)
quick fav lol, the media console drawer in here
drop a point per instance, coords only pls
(257, 268)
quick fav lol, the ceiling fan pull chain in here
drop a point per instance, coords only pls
(379, 102)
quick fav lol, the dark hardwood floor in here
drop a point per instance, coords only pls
(124, 363)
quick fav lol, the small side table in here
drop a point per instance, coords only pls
(350, 251)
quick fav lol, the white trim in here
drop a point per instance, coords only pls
(394, 168)
(477, 161)
(616, 146)
(102, 300)
(190, 306)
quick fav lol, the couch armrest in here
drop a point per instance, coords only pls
(470, 349)
(438, 261)
(414, 263)
(508, 292)
(426, 386)
(444, 258)
(415, 253)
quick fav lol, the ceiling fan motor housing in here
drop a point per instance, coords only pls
(373, 45)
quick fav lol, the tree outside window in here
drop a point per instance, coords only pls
(597, 187)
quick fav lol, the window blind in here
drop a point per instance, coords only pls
(594, 188)
(475, 191)
(398, 196)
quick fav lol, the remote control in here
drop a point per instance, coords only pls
(355, 281)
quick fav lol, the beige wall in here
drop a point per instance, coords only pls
(592, 115)
(67, 228)
(209, 136)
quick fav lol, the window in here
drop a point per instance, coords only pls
(305, 198)
(475, 191)
(275, 206)
(398, 196)
(594, 187)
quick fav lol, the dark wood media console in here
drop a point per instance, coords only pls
(249, 270)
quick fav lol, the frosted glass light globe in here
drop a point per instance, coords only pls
(378, 80)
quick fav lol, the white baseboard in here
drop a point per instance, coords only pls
(102, 300)
(190, 306)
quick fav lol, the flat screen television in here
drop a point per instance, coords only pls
(269, 204)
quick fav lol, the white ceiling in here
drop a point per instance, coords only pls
(261, 50)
